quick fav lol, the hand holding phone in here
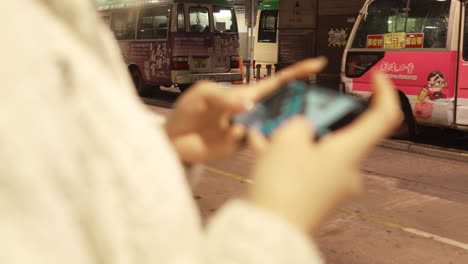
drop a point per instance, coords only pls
(326, 109)
(320, 176)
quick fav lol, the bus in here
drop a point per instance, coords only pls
(266, 37)
(422, 46)
(289, 31)
(175, 42)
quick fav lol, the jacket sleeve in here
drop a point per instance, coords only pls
(243, 233)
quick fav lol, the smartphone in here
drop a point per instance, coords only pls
(326, 109)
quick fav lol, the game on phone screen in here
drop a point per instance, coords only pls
(326, 109)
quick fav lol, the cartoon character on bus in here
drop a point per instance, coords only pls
(424, 106)
(435, 84)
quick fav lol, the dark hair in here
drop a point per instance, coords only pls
(434, 73)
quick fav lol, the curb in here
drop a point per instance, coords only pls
(452, 154)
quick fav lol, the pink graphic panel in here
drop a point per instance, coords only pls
(411, 71)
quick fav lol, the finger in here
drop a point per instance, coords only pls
(221, 98)
(231, 141)
(257, 141)
(236, 133)
(295, 130)
(242, 98)
(382, 117)
(296, 71)
(191, 147)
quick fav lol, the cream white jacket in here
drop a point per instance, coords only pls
(85, 175)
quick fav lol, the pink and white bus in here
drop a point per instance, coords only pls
(422, 45)
(175, 42)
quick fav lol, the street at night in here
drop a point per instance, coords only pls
(234, 132)
(413, 209)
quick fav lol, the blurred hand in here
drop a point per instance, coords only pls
(303, 180)
(199, 125)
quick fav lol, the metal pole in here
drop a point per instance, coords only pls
(259, 67)
(247, 64)
(252, 22)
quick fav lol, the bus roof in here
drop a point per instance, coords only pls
(119, 4)
(269, 5)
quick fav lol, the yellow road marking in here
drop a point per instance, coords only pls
(237, 177)
(373, 219)
(366, 217)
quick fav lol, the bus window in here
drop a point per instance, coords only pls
(199, 19)
(180, 18)
(123, 24)
(268, 26)
(428, 17)
(153, 23)
(358, 63)
(224, 19)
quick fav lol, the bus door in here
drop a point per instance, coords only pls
(211, 40)
(198, 43)
(226, 40)
(462, 92)
(266, 40)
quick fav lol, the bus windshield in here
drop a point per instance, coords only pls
(428, 19)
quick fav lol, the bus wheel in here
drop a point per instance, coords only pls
(183, 87)
(407, 129)
(138, 81)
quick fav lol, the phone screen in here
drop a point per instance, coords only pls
(326, 109)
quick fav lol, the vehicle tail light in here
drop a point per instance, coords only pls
(180, 63)
(235, 62)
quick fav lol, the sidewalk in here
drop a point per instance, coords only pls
(429, 150)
